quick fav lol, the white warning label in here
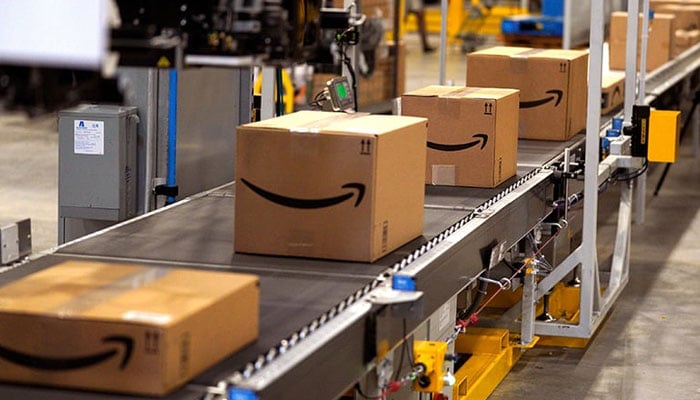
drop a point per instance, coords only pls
(89, 137)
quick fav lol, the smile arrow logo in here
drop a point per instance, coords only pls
(309, 203)
(57, 364)
(557, 94)
(480, 137)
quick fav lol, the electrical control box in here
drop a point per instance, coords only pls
(432, 356)
(96, 166)
(664, 135)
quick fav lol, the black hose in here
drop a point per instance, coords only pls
(480, 294)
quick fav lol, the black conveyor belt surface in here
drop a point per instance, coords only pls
(198, 233)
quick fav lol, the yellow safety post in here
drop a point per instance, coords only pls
(287, 85)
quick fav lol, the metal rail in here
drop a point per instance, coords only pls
(441, 264)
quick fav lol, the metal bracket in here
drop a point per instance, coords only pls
(15, 241)
(484, 213)
(503, 283)
(498, 252)
(387, 296)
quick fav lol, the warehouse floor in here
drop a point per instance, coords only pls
(647, 349)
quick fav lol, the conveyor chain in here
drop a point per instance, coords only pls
(286, 344)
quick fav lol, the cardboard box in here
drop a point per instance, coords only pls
(552, 84)
(329, 185)
(684, 40)
(687, 16)
(472, 133)
(655, 3)
(122, 328)
(613, 91)
(659, 45)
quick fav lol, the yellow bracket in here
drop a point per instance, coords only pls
(493, 352)
(432, 355)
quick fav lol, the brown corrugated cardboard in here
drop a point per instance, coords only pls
(684, 40)
(472, 133)
(659, 44)
(122, 328)
(687, 16)
(654, 3)
(613, 91)
(329, 185)
(552, 84)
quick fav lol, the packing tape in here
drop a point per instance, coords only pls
(528, 53)
(461, 92)
(518, 62)
(79, 304)
(451, 108)
(315, 127)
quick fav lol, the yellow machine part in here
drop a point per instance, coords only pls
(664, 136)
(492, 354)
(432, 355)
(494, 351)
(564, 303)
(287, 85)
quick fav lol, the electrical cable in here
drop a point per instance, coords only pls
(401, 356)
(472, 319)
(408, 347)
(318, 99)
(346, 60)
(631, 175)
(480, 294)
(279, 92)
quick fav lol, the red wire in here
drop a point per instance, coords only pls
(474, 317)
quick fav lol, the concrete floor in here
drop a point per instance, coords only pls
(29, 175)
(647, 349)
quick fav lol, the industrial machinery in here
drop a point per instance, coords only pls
(142, 48)
(275, 31)
(415, 321)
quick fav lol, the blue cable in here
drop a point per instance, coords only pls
(171, 180)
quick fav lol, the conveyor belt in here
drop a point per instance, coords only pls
(198, 233)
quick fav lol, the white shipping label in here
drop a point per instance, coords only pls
(89, 137)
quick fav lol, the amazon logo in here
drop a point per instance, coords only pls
(480, 138)
(354, 189)
(69, 363)
(556, 96)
